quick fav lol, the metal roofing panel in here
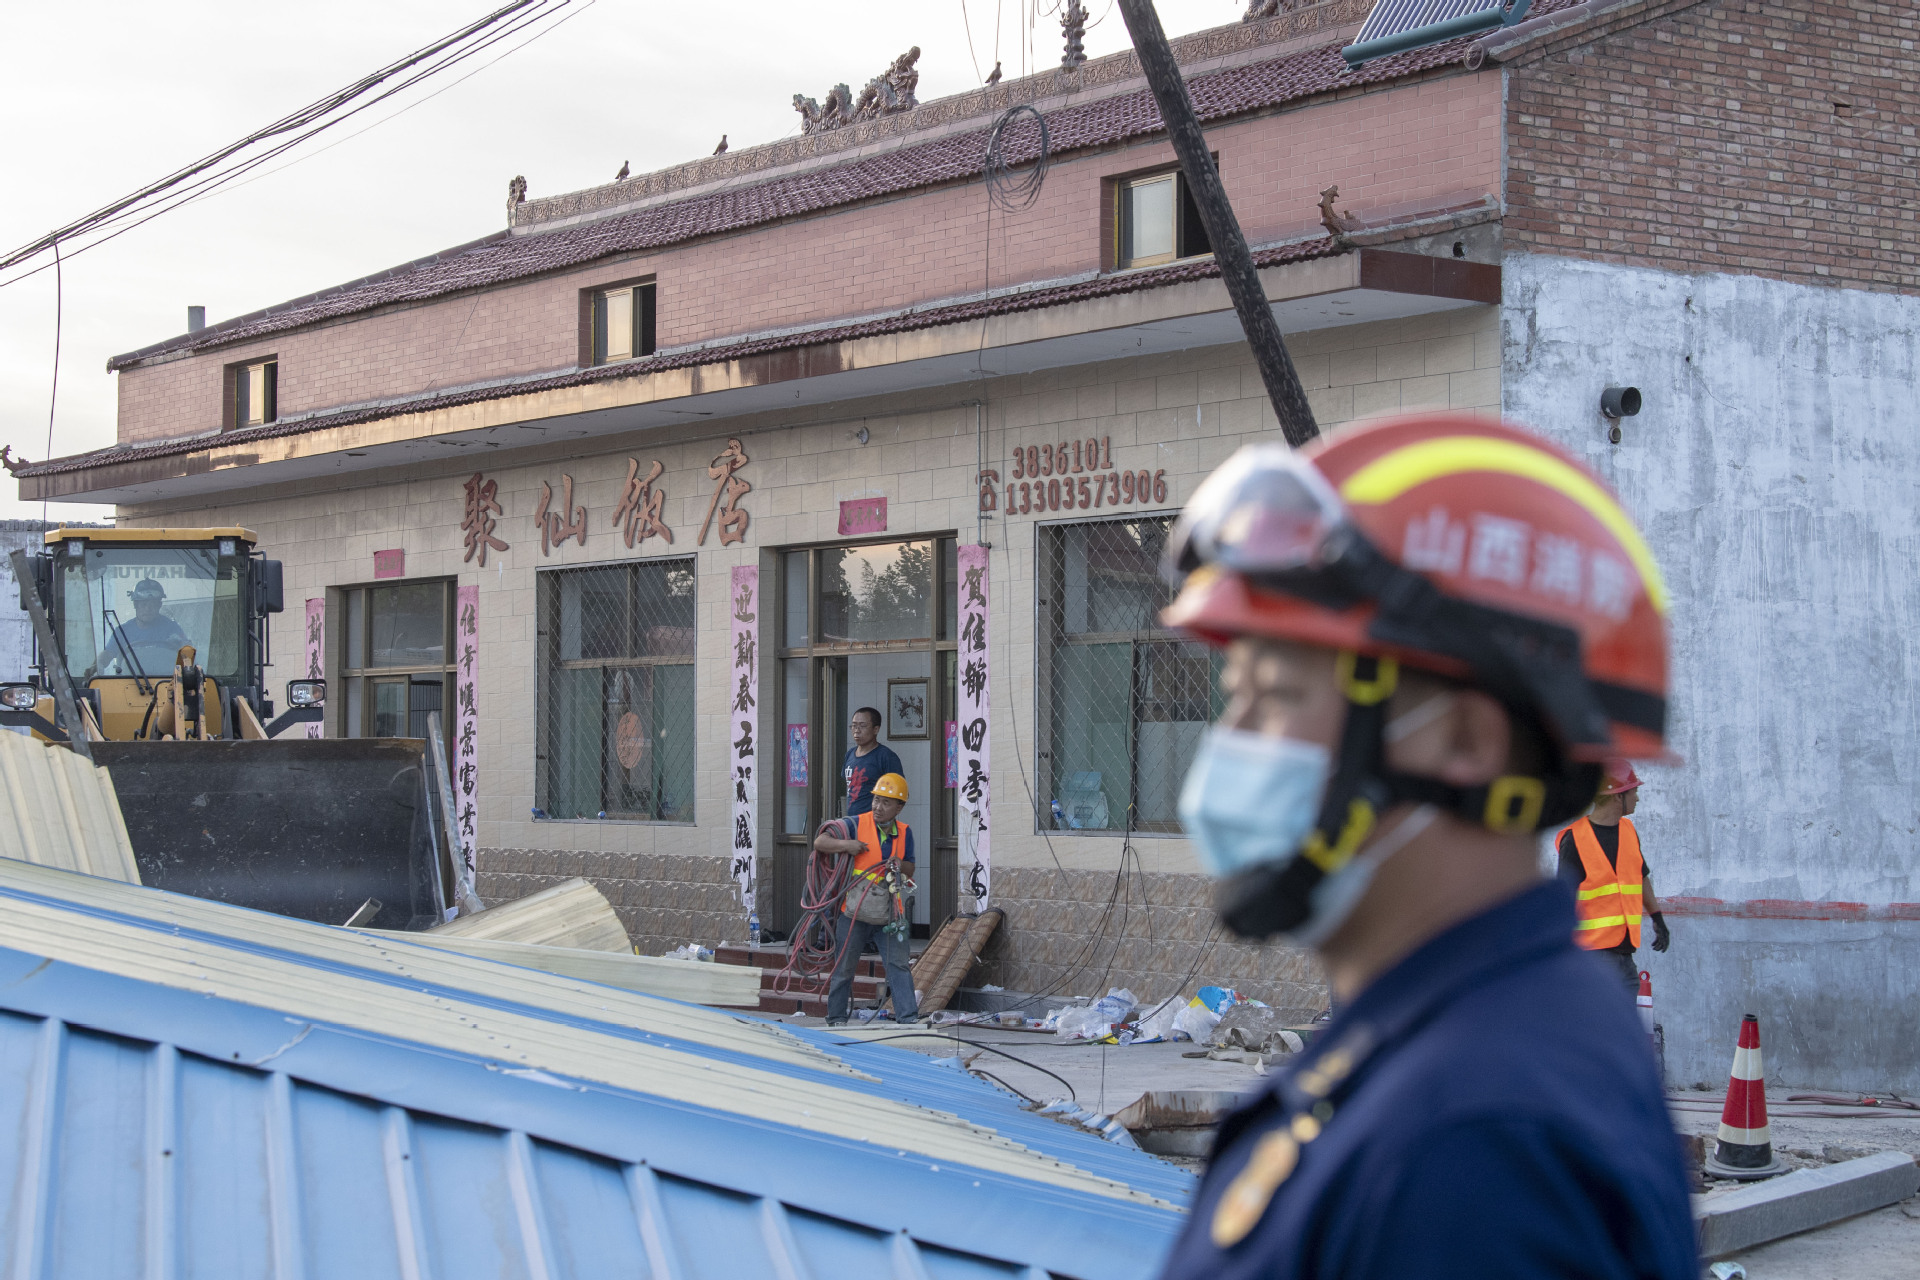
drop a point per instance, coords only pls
(388, 958)
(571, 914)
(65, 812)
(880, 1070)
(906, 1110)
(137, 1158)
(733, 985)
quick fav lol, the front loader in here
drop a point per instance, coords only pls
(151, 656)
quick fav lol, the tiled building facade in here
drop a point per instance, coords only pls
(1520, 222)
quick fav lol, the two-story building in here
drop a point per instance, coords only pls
(655, 487)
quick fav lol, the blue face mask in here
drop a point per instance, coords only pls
(1251, 799)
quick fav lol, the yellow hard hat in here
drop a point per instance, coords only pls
(892, 786)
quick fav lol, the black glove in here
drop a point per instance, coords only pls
(1661, 938)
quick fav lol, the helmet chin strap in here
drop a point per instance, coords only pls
(1285, 897)
(1337, 895)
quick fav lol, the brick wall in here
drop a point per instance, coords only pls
(1077, 933)
(1069, 933)
(1407, 145)
(1181, 412)
(1746, 136)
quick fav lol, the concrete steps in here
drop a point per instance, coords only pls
(806, 996)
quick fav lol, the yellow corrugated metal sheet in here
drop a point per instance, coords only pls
(725, 984)
(189, 960)
(64, 811)
(573, 914)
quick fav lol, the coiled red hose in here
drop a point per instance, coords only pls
(813, 951)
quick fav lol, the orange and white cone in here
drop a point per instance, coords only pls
(1744, 1151)
(1645, 1000)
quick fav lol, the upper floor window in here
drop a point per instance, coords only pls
(256, 393)
(1158, 221)
(622, 323)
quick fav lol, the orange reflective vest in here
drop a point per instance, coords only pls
(1610, 896)
(867, 863)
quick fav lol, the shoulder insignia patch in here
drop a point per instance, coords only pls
(1248, 1195)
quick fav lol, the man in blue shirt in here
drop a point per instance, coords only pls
(867, 761)
(150, 639)
(1436, 628)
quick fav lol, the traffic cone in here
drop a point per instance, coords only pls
(1744, 1151)
(1645, 1000)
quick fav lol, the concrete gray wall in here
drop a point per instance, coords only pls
(1776, 470)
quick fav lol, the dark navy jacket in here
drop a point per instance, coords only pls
(1503, 1117)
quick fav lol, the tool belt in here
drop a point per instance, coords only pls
(869, 901)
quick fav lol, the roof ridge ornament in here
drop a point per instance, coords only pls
(1073, 27)
(888, 93)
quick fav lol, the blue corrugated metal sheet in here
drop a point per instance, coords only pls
(914, 1077)
(153, 1123)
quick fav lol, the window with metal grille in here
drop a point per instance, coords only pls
(616, 698)
(1123, 701)
(396, 658)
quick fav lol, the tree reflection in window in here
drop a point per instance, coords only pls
(877, 592)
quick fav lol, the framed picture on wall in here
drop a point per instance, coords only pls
(907, 708)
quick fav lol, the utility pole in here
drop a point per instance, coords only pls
(1223, 229)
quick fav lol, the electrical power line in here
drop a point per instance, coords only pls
(230, 162)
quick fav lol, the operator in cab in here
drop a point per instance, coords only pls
(1437, 627)
(150, 637)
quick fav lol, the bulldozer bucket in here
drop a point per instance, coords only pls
(306, 827)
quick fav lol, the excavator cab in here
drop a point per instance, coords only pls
(152, 654)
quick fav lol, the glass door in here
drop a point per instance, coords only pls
(867, 626)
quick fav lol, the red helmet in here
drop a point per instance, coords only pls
(1467, 547)
(1617, 777)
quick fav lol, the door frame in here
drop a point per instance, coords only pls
(940, 876)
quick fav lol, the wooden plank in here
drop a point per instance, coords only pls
(573, 914)
(690, 980)
(942, 983)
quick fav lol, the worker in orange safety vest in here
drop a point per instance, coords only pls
(1601, 853)
(875, 907)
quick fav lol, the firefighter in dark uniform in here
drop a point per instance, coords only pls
(1436, 629)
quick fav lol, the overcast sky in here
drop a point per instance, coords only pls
(98, 100)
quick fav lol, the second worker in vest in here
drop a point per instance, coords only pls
(875, 907)
(1601, 854)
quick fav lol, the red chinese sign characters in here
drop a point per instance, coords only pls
(724, 472)
(639, 513)
(557, 526)
(478, 522)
